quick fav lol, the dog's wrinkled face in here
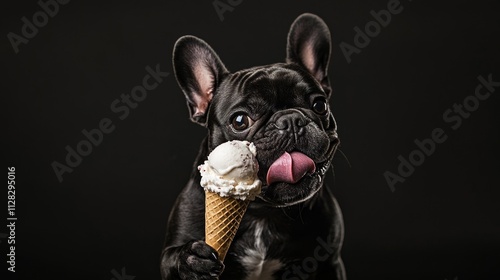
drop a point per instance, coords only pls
(283, 108)
(285, 112)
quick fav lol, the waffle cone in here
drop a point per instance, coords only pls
(222, 219)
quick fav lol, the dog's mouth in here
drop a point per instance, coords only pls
(295, 174)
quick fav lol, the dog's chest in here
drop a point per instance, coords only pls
(254, 255)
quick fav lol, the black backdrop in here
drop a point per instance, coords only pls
(107, 218)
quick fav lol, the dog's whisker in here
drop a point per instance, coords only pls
(345, 157)
(300, 213)
(283, 209)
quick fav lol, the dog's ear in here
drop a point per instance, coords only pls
(198, 70)
(309, 45)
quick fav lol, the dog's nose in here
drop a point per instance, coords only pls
(292, 124)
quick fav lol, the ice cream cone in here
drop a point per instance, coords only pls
(229, 177)
(222, 219)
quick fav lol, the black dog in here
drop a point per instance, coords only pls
(294, 229)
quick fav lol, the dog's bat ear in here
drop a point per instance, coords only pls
(198, 71)
(309, 45)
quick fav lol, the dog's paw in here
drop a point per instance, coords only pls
(198, 261)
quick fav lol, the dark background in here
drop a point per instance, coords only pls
(111, 211)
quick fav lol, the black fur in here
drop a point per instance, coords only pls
(288, 225)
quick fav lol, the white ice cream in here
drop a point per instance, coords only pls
(231, 170)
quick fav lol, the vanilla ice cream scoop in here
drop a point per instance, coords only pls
(231, 170)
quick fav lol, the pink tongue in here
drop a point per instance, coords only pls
(290, 168)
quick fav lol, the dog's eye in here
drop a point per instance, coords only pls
(241, 122)
(320, 106)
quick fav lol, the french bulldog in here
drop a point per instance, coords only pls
(294, 228)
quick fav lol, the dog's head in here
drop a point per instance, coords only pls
(283, 108)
